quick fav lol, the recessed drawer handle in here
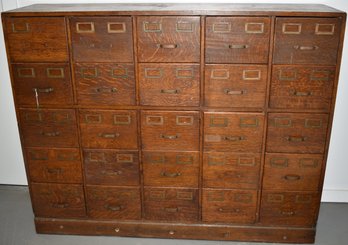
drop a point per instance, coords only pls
(229, 210)
(54, 170)
(170, 91)
(171, 210)
(292, 177)
(234, 92)
(238, 46)
(295, 139)
(43, 90)
(297, 93)
(288, 213)
(171, 175)
(298, 47)
(106, 90)
(113, 207)
(169, 137)
(50, 134)
(233, 138)
(109, 136)
(60, 205)
(112, 172)
(168, 46)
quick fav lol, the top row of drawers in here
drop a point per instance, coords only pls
(174, 39)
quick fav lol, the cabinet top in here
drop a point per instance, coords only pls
(176, 9)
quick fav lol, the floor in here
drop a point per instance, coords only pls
(17, 227)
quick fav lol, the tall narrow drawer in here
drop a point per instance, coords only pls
(109, 129)
(306, 40)
(178, 204)
(235, 85)
(105, 84)
(54, 165)
(168, 38)
(237, 39)
(58, 200)
(101, 39)
(171, 168)
(296, 132)
(169, 84)
(111, 167)
(170, 130)
(231, 170)
(48, 128)
(227, 131)
(42, 84)
(229, 206)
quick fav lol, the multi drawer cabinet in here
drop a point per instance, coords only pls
(206, 121)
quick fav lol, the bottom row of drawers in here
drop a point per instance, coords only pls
(179, 204)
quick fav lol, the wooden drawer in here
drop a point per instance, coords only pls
(296, 132)
(37, 39)
(235, 85)
(48, 128)
(110, 167)
(231, 170)
(170, 130)
(237, 39)
(58, 200)
(306, 40)
(229, 206)
(171, 204)
(105, 84)
(101, 39)
(301, 87)
(106, 202)
(169, 84)
(289, 208)
(171, 168)
(54, 165)
(42, 84)
(230, 131)
(168, 39)
(109, 129)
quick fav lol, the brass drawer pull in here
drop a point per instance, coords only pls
(43, 90)
(171, 175)
(168, 46)
(54, 170)
(106, 90)
(169, 137)
(109, 136)
(112, 172)
(295, 139)
(234, 92)
(288, 213)
(171, 210)
(60, 205)
(233, 138)
(292, 177)
(238, 46)
(50, 134)
(170, 91)
(298, 47)
(113, 208)
(297, 93)
(229, 210)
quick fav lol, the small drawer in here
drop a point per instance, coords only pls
(170, 130)
(54, 165)
(296, 132)
(231, 170)
(101, 39)
(171, 204)
(237, 39)
(37, 39)
(58, 200)
(301, 87)
(229, 206)
(169, 84)
(306, 40)
(230, 131)
(48, 128)
(42, 84)
(168, 39)
(106, 202)
(108, 129)
(105, 84)
(294, 172)
(289, 208)
(235, 85)
(171, 168)
(110, 167)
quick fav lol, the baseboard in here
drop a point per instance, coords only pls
(335, 195)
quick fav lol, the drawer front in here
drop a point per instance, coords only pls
(108, 129)
(54, 165)
(235, 85)
(297, 172)
(227, 131)
(106, 202)
(48, 128)
(170, 130)
(179, 169)
(37, 39)
(169, 84)
(289, 208)
(237, 39)
(306, 40)
(104, 39)
(297, 133)
(299, 87)
(42, 84)
(168, 39)
(171, 204)
(229, 206)
(58, 200)
(231, 170)
(105, 84)
(110, 167)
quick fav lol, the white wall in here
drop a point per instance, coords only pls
(336, 181)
